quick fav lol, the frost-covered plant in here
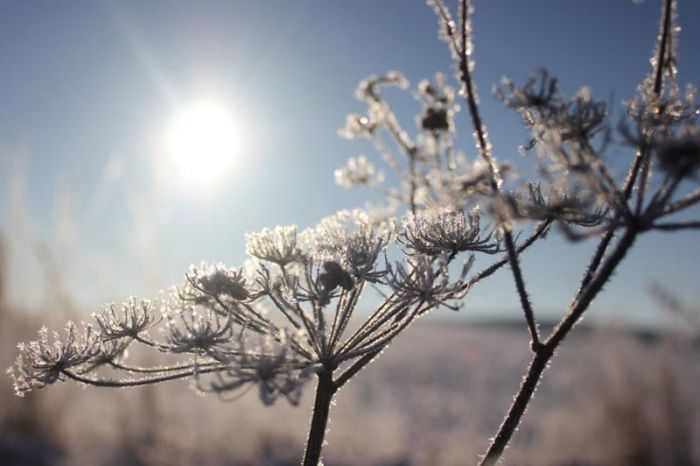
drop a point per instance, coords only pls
(285, 316)
(575, 187)
(273, 324)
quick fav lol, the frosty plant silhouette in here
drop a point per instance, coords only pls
(272, 324)
(575, 188)
(284, 318)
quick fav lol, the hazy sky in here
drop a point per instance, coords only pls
(89, 88)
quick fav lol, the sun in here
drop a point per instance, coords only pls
(200, 144)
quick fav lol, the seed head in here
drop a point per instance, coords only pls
(278, 246)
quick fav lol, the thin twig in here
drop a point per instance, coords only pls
(539, 232)
(522, 293)
(596, 260)
(688, 200)
(466, 78)
(675, 226)
(661, 63)
(413, 185)
(356, 367)
(139, 382)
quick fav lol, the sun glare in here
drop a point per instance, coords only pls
(200, 144)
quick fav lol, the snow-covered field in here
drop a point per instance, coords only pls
(433, 398)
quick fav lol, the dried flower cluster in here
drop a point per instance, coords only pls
(272, 326)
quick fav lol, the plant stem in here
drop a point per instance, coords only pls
(661, 61)
(539, 232)
(484, 150)
(546, 351)
(598, 256)
(517, 409)
(357, 367)
(522, 292)
(413, 181)
(325, 390)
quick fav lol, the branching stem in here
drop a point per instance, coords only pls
(466, 78)
(546, 351)
(597, 274)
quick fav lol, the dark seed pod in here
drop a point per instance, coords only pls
(334, 275)
(435, 120)
(680, 156)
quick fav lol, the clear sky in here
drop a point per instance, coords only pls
(88, 90)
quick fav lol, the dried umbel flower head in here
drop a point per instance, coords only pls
(270, 327)
(356, 126)
(555, 121)
(218, 280)
(439, 107)
(425, 280)
(278, 246)
(368, 89)
(581, 209)
(42, 362)
(128, 320)
(358, 171)
(354, 240)
(446, 233)
(197, 330)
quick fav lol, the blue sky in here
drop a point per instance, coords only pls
(87, 86)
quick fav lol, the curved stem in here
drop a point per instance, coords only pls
(325, 390)
(138, 382)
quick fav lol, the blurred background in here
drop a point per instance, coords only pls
(139, 138)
